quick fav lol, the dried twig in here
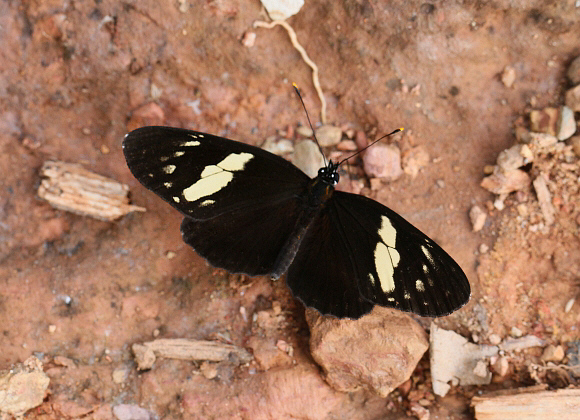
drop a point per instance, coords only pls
(302, 51)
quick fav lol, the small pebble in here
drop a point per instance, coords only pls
(304, 131)
(477, 217)
(483, 248)
(544, 120)
(499, 204)
(573, 98)
(328, 135)
(494, 339)
(569, 305)
(566, 124)
(278, 147)
(573, 72)
(553, 354)
(543, 140)
(501, 366)
(480, 369)
(575, 143)
(516, 332)
(52, 329)
(508, 76)
(208, 370)
(249, 39)
(308, 158)
(440, 183)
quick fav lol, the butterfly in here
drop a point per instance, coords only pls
(249, 211)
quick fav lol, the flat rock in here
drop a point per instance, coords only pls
(455, 359)
(378, 351)
(566, 124)
(573, 72)
(544, 120)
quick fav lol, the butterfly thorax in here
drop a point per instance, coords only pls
(320, 189)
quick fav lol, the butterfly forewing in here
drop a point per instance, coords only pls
(204, 176)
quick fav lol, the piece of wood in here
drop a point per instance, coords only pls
(70, 187)
(186, 349)
(525, 404)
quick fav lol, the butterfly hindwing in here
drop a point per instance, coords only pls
(388, 261)
(203, 175)
(247, 240)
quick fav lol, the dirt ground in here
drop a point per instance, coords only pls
(76, 76)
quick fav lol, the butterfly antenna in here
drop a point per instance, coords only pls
(309, 122)
(365, 148)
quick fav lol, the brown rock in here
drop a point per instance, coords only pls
(573, 72)
(553, 354)
(575, 143)
(505, 182)
(544, 120)
(378, 351)
(573, 98)
(383, 161)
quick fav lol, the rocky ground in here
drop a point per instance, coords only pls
(487, 166)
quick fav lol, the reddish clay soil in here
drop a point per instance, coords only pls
(76, 76)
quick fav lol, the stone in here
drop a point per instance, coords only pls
(544, 120)
(566, 124)
(505, 182)
(414, 160)
(383, 161)
(308, 158)
(553, 354)
(328, 135)
(378, 351)
(477, 217)
(508, 76)
(573, 72)
(455, 359)
(573, 98)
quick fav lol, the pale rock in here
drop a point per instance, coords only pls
(328, 135)
(378, 351)
(505, 182)
(566, 124)
(308, 158)
(282, 9)
(553, 354)
(477, 217)
(573, 72)
(383, 161)
(508, 76)
(414, 160)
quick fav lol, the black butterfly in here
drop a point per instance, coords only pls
(249, 211)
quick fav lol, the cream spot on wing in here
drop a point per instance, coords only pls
(425, 269)
(216, 177)
(387, 232)
(164, 158)
(419, 286)
(407, 295)
(207, 186)
(385, 268)
(200, 135)
(372, 279)
(430, 281)
(169, 169)
(190, 143)
(235, 161)
(210, 170)
(427, 254)
(178, 153)
(150, 175)
(167, 184)
(176, 199)
(391, 299)
(207, 203)
(193, 135)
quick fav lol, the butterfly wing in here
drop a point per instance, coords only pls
(357, 245)
(204, 176)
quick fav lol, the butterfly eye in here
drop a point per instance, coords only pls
(335, 178)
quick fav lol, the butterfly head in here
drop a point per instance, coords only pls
(329, 174)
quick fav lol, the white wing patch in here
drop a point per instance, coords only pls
(190, 143)
(216, 177)
(169, 169)
(207, 203)
(386, 256)
(419, 286)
